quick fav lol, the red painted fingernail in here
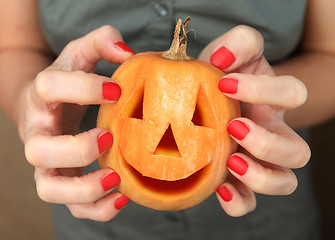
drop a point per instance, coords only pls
(224, 193)
(124, 47)
(110, 180)
(228, 85)
(121, 202)
(105, 141)
(238, 129)
(111, 91)
(222, 58)
(237, 164)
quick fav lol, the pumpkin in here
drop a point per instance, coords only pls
(169, 127)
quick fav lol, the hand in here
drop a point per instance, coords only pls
(269, 148)
(55, 105)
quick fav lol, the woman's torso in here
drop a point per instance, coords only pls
(147, 26)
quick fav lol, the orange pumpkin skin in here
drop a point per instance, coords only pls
(177, 101)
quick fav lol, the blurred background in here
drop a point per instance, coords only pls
(24, 216)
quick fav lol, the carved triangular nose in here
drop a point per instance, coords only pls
(167, 145)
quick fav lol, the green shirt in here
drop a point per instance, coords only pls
(148, 25)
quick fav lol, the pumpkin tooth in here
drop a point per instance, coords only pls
(167, 145)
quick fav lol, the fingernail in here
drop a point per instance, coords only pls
(237, 164)
(111, 91)
(224, 193)
(121, 202)
(110, 180)
(228, 85)
(238, 129)
(124, 47)
(222, 58)
(105, 141)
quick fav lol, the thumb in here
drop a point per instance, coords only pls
(84, 53)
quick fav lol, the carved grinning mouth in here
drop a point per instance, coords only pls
(163, 186)
(168, 147)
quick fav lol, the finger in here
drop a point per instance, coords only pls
(56, 86)
(55, 188)
(284, 148)
(46, 151)
(236, 199)
(285, 92)
(237, 47)
(262, 178)
(102, 210)
(84, 53)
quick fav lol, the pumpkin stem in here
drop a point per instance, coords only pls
(177, 50)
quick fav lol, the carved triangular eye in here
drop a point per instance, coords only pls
(134, 107)
(202, 113)
(167, 145)
(197, 116)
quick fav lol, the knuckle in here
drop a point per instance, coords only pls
(82, 156)
(250, 204)
(88, 85)
(104, 216)
(253, 204)
(261, 184)
(288, 183)
(32, 154)
(41, 84)
(292, 186)
(43, 191)
(253, 39)
(76, 212)
(80, 74)
(257, 89)
(300, 92)
(109, 30)
(83, 150)
(70, 46)
(68, 58)
(264, 147)
(87, 191)
(242, 210)
(73, 44)
(297, 94)
(302, 156)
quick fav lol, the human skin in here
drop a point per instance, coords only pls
(48, 117)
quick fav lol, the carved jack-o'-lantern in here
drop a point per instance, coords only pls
(169, 126)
